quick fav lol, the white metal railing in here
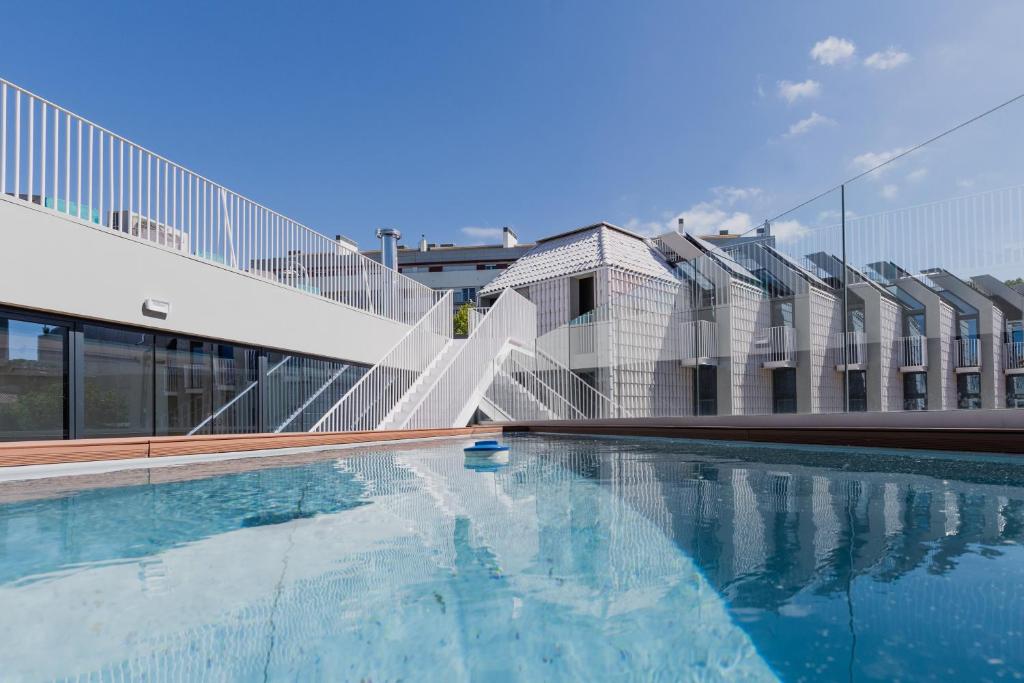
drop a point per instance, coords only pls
(513, 319)
(780, 345)
(562, 392)
(968, 352)
(515, 400)
(476, 315)
(912, 351)
(523, 395)
(59, 161)
(851, 348)
(700, 340)
(582, 338)
(1013, 356)
(375, 395)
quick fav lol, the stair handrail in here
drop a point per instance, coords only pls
(395, 373)
(570, 385)
(513, 318)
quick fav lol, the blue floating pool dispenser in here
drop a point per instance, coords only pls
(485, 447)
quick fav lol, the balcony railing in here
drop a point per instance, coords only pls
(779, 347)
(968, 352)
(912, 352)
(700, 342)
(60, 162)
(1013, 357)
(851, 348)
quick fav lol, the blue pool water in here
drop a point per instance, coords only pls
(579, 559)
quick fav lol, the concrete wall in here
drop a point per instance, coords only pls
(58, 264)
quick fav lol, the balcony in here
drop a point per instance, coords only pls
(778, 347)
(700, 343)
(967, 355)
(851, 351)
(912, 353)
(1013, 358)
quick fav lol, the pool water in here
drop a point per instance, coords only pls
(579, 559)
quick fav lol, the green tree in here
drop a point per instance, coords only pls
(461, 321)
(1015, 281)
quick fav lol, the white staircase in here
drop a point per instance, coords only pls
(430, 381)
(422, 387)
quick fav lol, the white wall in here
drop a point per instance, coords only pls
(55, 263)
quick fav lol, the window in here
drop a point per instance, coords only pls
(858, 397)
(183, 384)
(782, 314)
(465, 294)
(33, 386)
(1015, 391)
(913, 325)
(705, 390)
(582, 295)
(118, 382)
(856, 320)
(968, 391)
(915, 391)
(435, 269)
(784, 390)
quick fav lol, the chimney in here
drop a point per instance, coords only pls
(508, 238)
(389, 247)
(681, 229)
(423, 243)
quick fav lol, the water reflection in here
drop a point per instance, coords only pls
(841, 565)
(579, 559)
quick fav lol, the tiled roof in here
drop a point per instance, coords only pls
(580, 251)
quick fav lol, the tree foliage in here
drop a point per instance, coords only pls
(461, 322)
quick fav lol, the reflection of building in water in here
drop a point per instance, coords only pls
(744, 521)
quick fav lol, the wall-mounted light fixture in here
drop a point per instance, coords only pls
(156, 308)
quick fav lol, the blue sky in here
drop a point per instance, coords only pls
(453, 119)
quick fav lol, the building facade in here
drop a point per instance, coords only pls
(683, 325)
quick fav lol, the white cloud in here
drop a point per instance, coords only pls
(917, 175)
(890, 191)
(732, 195)
(482, 234)
(832, 50)
(791, 92)
(709, 217)
(788, 231)
(804, 125)
(706, 217)
(889, 59)
(869, 160)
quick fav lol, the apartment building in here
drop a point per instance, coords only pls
(684, 325)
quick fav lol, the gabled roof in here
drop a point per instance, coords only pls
(582, 250)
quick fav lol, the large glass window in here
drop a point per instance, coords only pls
(782, 314)
(235, 393)
(968, 391)
(915, 391)
(33, 384)
(784, 390)
(858, 391)
(118, 382)
(183, 384)
(1015, 391)
(705, 390)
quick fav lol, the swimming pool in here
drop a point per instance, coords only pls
(580, 559)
